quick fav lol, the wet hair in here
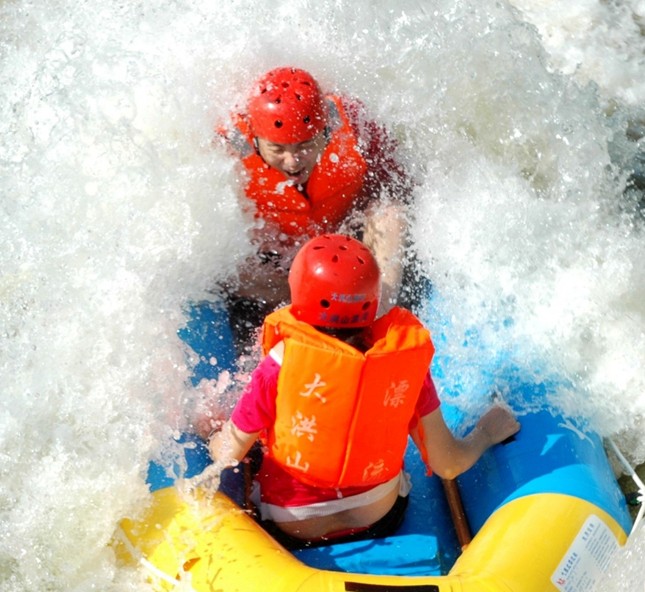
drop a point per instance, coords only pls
(360, 338)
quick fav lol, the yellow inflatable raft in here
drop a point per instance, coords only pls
(557, 517)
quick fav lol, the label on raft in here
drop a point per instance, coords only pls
(587, 557)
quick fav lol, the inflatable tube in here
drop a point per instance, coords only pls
(545, 511)
(208, 334)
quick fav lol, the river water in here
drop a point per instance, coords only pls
(520, 121)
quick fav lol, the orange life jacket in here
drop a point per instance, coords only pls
(342, 416)
(331, 191)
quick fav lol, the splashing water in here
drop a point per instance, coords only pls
(117, 209)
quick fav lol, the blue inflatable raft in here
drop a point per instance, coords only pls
(544, 510)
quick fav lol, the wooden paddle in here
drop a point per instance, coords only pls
(459, 519)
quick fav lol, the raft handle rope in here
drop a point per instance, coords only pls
(636, 479)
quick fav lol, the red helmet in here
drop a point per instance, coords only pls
(335, 282)
(287, 107)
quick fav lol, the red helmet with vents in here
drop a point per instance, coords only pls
(335, 282)
(287, 107)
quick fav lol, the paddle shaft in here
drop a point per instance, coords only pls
(457, 512)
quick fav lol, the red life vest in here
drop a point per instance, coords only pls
(331, 191)
(342, 416)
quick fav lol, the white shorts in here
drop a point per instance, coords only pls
(329, 507)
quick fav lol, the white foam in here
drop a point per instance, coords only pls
(117, 210)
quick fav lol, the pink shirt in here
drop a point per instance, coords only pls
(255, 412)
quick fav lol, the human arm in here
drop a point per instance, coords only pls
(230, 445)
(254, 412)
(384, 234)
(385, 200)
(449, 456)
(227, 447)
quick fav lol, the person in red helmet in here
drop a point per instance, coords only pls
(334, 400)
(287, 115)
(315, 163)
